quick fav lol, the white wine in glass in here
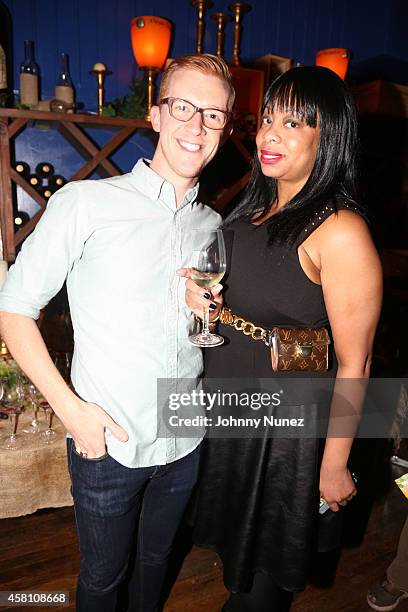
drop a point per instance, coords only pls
(206, 279)
(208, 266)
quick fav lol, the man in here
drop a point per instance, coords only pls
(118, 243)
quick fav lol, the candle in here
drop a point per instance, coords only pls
(99, 67)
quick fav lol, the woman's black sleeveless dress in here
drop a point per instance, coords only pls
(257, 499)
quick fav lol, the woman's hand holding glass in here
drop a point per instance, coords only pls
(208, 266)
(195, 299)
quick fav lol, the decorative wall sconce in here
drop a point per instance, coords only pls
(201, 6)
(336, 59)
(150, 43)
(221, 19)
(238, 9)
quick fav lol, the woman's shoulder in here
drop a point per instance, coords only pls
(343, 235)
(346, 225)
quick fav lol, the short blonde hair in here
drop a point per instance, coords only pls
(202, 62)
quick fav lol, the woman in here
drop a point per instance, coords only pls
(302, 256)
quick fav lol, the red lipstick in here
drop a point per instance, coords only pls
(269, 157)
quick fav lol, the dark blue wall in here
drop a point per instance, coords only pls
(98, 30)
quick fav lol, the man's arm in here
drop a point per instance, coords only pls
(45, 260)
(84, 421)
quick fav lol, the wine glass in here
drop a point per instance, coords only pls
(208, 263)
(12, 404)
(48, 435)
(62, 361)
(33, 396)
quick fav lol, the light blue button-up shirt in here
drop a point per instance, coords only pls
(118, 242)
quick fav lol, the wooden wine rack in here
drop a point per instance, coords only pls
(13, 121)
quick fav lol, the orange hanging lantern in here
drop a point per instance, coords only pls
(150, 43)
(336, 59)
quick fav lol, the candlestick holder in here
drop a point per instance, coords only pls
(221, 19)
(238, 9)
(150, 75)
(201, 5)
(100, 71)
(4, 352)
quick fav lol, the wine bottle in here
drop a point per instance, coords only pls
(29, 72)
(46, 192)
(20, 219)
(6, 72)
(34, 181)
(44, 170)
(22, 168)
(56, 182)
(64, 89)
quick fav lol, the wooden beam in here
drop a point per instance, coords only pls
(29, 226)
(17, 178)
(16, 126)
(79, 137)
(42, 202)
(6, 196)
(111, 146)
(75, 118)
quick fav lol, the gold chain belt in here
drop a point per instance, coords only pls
(227, 317)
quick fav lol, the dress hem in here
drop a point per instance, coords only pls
(253, 571)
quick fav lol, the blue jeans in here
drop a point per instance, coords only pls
(124, 513)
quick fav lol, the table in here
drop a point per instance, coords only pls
(36, 475)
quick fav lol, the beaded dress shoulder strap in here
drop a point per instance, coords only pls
(321, 216)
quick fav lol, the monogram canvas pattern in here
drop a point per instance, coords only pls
(293, 349)
(300, 349)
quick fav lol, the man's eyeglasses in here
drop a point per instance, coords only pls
(182, 110)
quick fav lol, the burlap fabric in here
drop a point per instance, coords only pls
(36, 475)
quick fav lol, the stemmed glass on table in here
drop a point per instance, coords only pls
(208, 263)
(12, 402)
(38, 401)
(48, 435)
(62, 361)
(34, 397)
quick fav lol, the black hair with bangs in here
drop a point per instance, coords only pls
(317, 96)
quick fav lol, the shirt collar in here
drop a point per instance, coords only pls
(156, 187)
